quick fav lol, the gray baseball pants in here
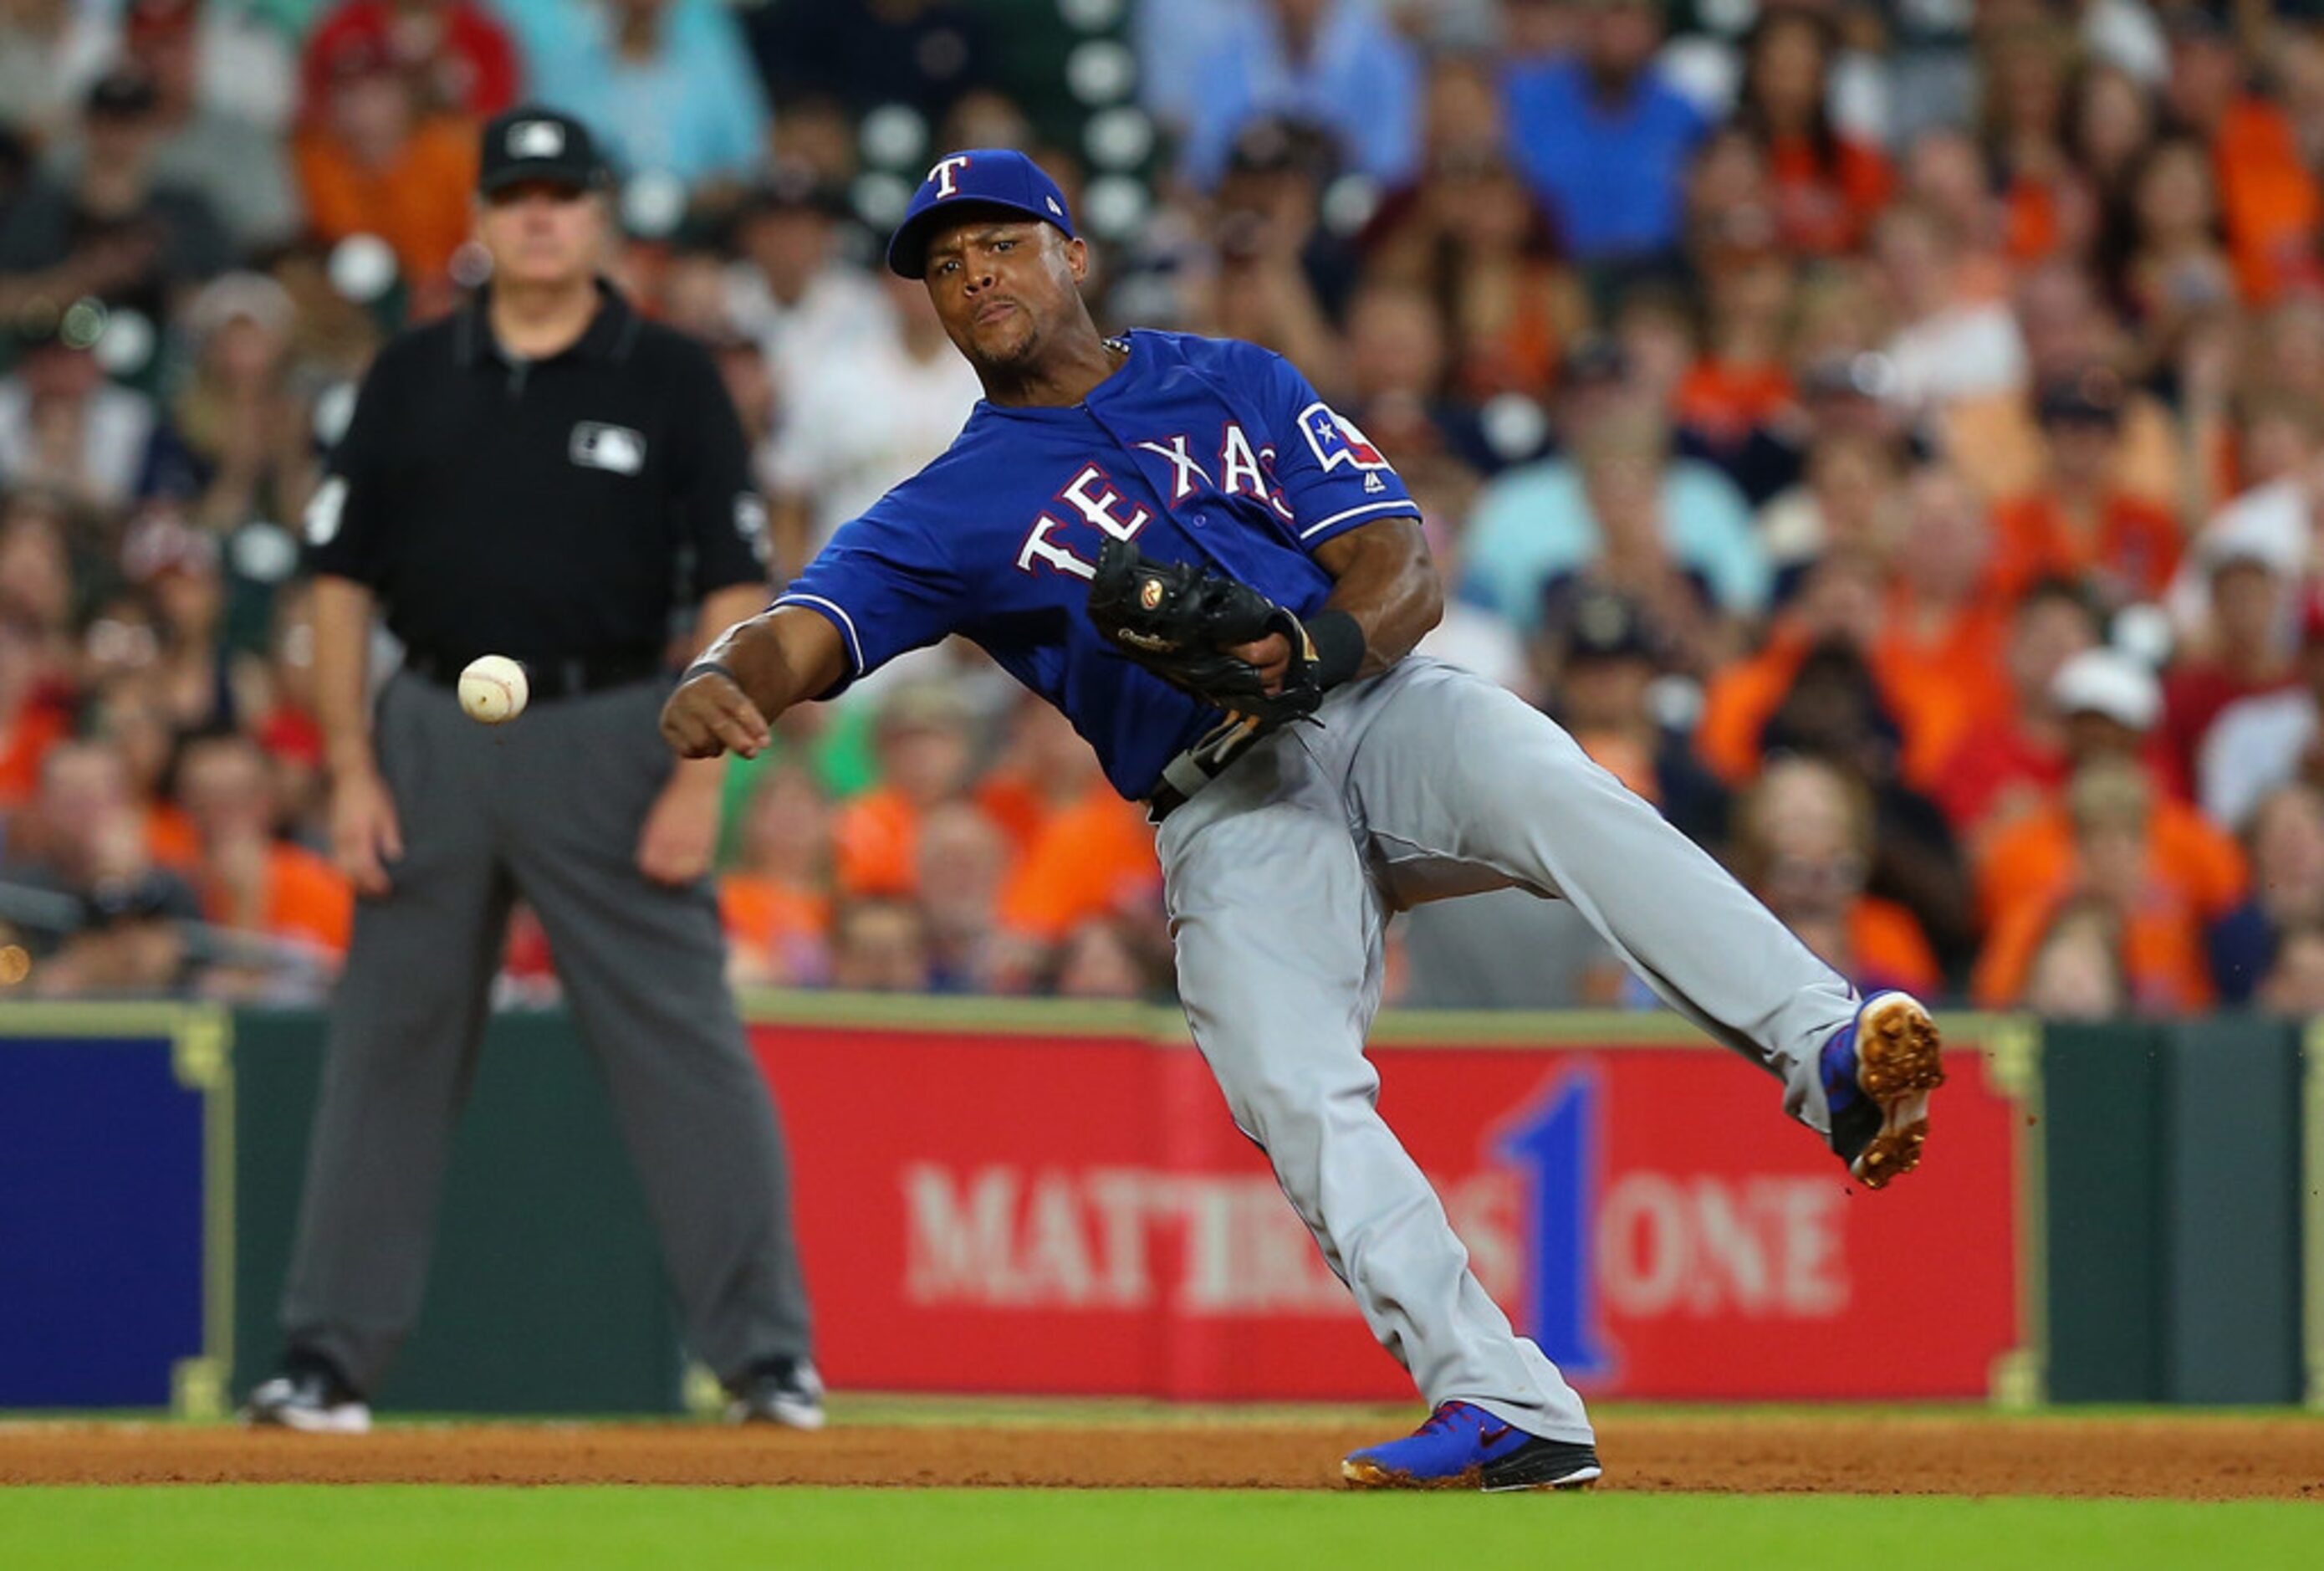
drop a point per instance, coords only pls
(1422, 783)
(549, 806)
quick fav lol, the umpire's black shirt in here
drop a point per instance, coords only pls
(538, 509)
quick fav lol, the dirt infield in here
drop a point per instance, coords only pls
(2186, 1458)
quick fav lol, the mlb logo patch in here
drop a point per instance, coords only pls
(617, 449)
(1334, 439)
(536, 139)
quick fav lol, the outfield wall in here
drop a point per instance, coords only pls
(1000, 1197)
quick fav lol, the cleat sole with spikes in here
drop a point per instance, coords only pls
(1898, 1063)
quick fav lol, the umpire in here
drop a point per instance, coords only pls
(547, 475)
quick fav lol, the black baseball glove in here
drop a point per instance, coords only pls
(1179, 620)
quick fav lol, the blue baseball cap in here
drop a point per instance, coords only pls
(985, 177)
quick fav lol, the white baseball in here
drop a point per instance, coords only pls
(492, 688)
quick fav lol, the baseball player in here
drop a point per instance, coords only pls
(1220, 581)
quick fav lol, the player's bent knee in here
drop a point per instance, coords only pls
(1272, 1104)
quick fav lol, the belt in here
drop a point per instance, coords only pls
(547, 680)
(1201, 764)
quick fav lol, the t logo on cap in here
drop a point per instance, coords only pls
(997, 178)
(536, 139)
(943, 172)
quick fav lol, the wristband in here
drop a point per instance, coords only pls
(718, 668)
(1339, 642)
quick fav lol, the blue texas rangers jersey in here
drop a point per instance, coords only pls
(1200, 449)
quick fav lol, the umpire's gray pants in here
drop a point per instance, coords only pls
(1420, 783)
(549, 806)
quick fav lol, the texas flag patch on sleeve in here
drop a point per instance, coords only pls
(1334, 439)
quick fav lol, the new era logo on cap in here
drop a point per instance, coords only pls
(536, 139)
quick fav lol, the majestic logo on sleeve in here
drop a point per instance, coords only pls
(1334, 439)
(942, 175)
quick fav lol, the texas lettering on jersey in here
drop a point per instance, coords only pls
(1200, 449)
(1242, 471)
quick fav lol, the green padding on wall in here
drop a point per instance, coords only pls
(547, 1295)
(2231, 1111)
(2102, 1111)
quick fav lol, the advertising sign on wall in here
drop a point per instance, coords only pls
(985, 1209)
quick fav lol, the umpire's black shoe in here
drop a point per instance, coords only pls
(309, 1396)
(778, 1390)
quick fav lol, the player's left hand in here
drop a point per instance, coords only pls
(681, 832)
(1271, 655)
(709, 715)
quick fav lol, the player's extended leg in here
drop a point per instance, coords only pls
(406, 1020)
(1464, 786)
(644, 967)
(1278, 933)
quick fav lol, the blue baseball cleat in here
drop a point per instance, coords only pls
(1878, 1070)
(1463, 1446)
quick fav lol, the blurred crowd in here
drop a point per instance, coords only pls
(1888, 433)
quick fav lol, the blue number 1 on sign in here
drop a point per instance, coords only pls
(1555, 1148)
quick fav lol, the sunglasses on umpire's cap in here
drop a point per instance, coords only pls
(981, 177)
(531, 142)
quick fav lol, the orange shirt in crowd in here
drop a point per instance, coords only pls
(1518, 348)
(2031, 226)
(2162, 955)
(875, 842)
(876, 837)
(2267, 198)
(1824, 212)
(770, 917)
(170, 838)
(307, 897)
(1088, 859)
(1738, 702)
(1944, 680)
(1014, 800)
(419, 206)
(1723, 401)
(1998, 447)
(1745, 694)
(2029, 861)
(1888, 948)
(2135, 547)
(37, 728)
(1620, 755)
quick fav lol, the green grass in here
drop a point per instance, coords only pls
(562, 1529)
